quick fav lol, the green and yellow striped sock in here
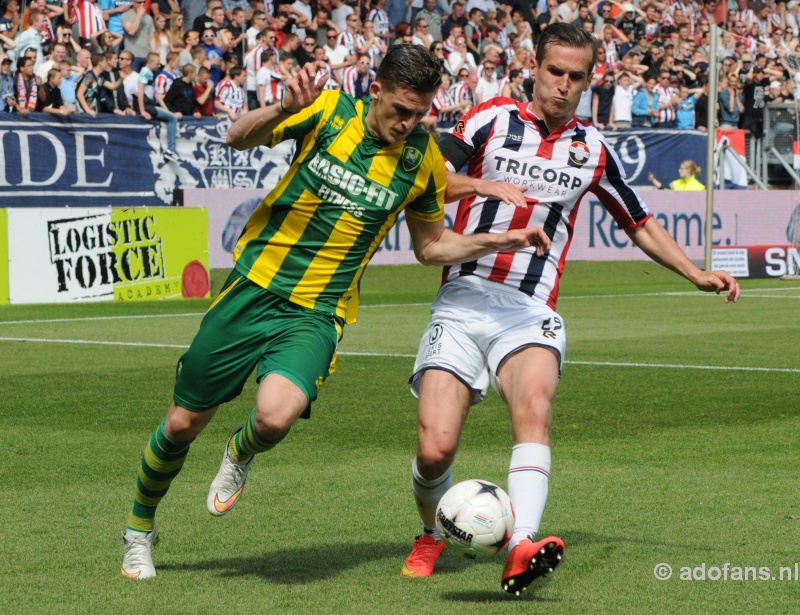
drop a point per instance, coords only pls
(161, 462)
(247, 442)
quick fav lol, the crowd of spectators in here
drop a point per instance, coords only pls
(170, 60)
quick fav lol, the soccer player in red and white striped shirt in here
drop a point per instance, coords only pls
(494, 320)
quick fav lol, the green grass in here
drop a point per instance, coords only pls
(651, 464)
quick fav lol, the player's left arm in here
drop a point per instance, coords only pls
(435, 245)
(654, 241)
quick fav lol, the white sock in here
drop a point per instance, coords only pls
(427, 493)
(528, 475)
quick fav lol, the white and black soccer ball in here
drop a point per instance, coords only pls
(475, 519)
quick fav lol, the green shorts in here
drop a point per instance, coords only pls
(248, 327)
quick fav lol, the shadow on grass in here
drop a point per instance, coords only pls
(499, 596)
(309, 564)
(301, 565)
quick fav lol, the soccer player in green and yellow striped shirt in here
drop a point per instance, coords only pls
(298, 263)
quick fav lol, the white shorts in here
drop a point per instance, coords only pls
(476, 324)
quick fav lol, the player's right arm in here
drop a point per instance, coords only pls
(255, 127)
(463, 186)
(435, 245)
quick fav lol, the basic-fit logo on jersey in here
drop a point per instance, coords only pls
(412, 158)
(579, 153)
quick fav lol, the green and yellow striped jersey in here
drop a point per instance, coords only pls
(312, 236)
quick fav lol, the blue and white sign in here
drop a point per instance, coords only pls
(79, 161)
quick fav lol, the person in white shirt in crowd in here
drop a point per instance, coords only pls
(301, 8)
(622, 105)
(421, 36)
(338, 57)
(340, 13)
(487, 84)
(461, 58)
(259, 22)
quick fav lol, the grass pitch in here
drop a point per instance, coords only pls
(675, 441)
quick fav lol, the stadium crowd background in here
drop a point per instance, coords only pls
(171, 60)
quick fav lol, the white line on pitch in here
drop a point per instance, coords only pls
(411, 356)
(91, 342)
(93, 318)
(746, 294)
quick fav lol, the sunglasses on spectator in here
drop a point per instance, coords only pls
(330, 36)
(608, 81)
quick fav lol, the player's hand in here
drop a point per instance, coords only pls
(519, 239)
(507, 193)
(717, 282)
(305, 87)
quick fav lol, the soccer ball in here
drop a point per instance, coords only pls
(475, 519)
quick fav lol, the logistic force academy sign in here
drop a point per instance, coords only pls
(59, 255)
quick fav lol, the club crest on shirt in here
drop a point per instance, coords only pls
(411, 158)
(578, 153)
(458, 129)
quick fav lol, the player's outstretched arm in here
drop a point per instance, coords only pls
(654, 241)
(462, 186)
(434, 245)
(255, 127)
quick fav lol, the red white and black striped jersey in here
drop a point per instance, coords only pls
(665, 95)
(164, 81)
(89, 17)
(348, 40)
(502, 141)
(461, 92)
(276, 84)
(442, 99)
(357, 85)
(381, 21)
(230, 95)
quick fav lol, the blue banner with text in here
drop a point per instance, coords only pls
(79, 161)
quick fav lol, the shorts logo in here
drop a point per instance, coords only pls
(436, 333)
(458, 129)
(412, 158)
(319, 382)
(579, 153)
